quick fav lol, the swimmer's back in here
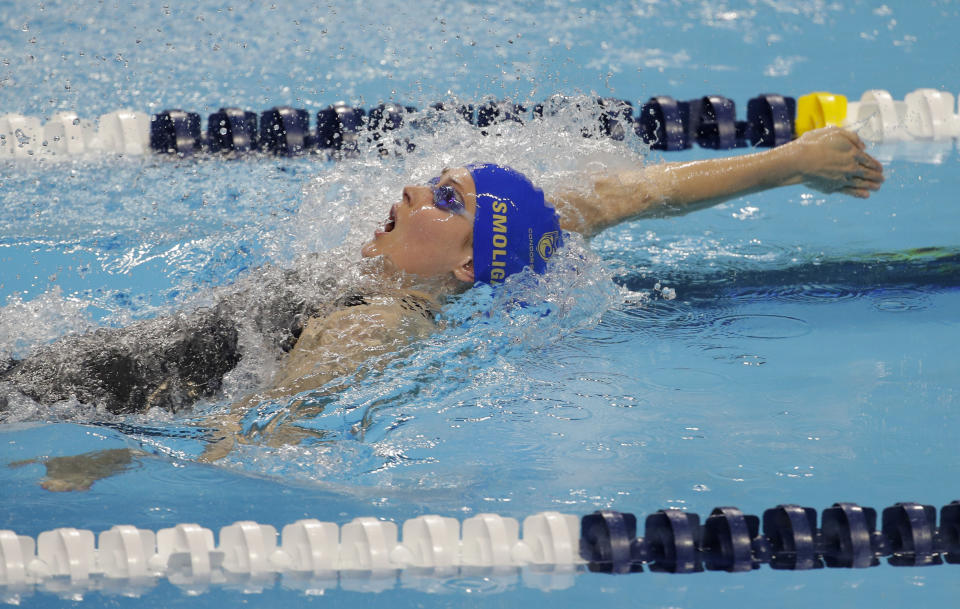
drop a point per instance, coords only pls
(363, 327)
(173, 361)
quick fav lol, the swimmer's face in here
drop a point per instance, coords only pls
(429, 232)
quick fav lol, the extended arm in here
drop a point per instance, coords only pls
(828, 160)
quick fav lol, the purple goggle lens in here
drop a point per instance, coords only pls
(446, 198)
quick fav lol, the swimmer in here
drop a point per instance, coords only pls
(470, 225)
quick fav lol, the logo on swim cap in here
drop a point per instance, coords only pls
(548, 244)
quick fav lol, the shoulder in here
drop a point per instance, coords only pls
(384, 317)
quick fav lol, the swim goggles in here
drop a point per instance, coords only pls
(446, 197)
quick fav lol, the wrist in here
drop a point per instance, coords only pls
(791, 160)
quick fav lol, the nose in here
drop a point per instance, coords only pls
(417, 196)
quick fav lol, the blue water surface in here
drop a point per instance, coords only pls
(785, 347)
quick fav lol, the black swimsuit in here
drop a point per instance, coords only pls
(173, 361)
(169, 362)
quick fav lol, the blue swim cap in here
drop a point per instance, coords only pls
(514, 226)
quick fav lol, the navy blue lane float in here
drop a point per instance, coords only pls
(232, 129)
(674, 541)
(711, 122)
(494, 112)
(663, 122)
(175, 132)
(338, 127)
(285, 130)
(770, 118)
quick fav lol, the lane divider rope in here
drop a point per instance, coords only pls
(924, 116)
(368, 554)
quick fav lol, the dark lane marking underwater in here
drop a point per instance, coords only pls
(931, 268)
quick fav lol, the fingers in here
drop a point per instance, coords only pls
(866, 173)
(853, 138)
(859, 193)
(865, 184)
(861, 183)
(867, 161)
(860, 186)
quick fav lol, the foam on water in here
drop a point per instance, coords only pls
(205, 253)
(24, 324)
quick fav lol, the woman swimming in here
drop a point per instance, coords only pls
(475, 224)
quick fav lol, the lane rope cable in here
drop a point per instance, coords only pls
(367, 554)
(922, 126)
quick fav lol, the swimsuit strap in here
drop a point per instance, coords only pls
(408, 302)
(353, 299)
(419, 304)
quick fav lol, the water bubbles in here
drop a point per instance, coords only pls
(665, 292)
(35, 320)
(748, 212)
(797, 472)
(747, 359)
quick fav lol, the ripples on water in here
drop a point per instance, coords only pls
(623, 353)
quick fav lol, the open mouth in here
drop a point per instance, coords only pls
(390, 222)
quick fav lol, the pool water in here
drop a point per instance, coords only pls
(785, 347)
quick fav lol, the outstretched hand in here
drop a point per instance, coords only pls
(834, 160)
(79, 472)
